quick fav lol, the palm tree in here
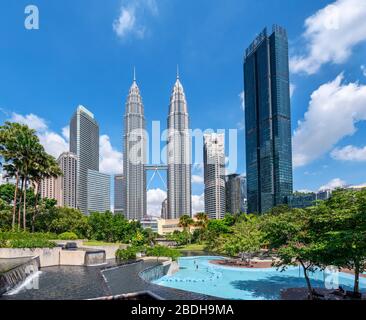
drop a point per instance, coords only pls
(186, 222)
(10, 150)
(201, 222)
(45, 166)
(30, 150)
(20, 147)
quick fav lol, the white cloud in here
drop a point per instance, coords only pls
(331, 34)
(154, 198)
(197, 179)
(198, 203)
(53, 143)
(130, 20)
(110, 160)
(31, 120)
(333, 184)
(334, 109)
(66, 133)
(363, 69)
(349, 153)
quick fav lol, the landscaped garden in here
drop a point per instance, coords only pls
(331, 233)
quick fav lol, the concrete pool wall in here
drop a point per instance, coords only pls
(56, 256)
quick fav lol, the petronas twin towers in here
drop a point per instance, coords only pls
(178, 155)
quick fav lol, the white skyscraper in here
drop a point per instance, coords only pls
(84, 142)
(134, 154)
(214, 175)
(179, 155)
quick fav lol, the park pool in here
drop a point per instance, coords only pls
(247, 284)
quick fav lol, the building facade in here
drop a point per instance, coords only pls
(50, 188)
(307, 199)
(214, 175)
(164, 209)
(233, 194)
(179, 155)
(67, 184)
(99, 186)
(243, 192)
(268, 121)
(84, 142)
(118, 194)
(134, 156)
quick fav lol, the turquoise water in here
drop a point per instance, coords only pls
(246, 284)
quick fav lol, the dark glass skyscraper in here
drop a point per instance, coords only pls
(268, 121)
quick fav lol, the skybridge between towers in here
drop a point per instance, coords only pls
(156, 168)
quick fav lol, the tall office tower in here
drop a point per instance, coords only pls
(243, 194)
(99, 186)
(233, 194)
(68, 190)
(134, 156)
(118, 194)
(268, 121)
(214, 175)
(164, 209)
(84, 142)
(179, 155)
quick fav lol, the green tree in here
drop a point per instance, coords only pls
(294, 241)
(162, 251)
(44, 166)
(246, 239)
(201, 223)
(341, 224)
(22, 151)
(186, 222)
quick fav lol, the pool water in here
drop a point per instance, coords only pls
(197, 274)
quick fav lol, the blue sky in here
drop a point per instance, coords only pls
(85, 50)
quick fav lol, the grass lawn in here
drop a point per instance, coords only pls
(193, 247)
(98, 243)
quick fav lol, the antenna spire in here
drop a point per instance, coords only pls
(134, 74)
(177, 71)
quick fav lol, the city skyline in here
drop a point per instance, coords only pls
(212, 77)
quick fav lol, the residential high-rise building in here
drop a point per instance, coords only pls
(118, 193)
(164, 209)
(214, 175)
(84, 142)
(268, 121)
(67, 184)
(134, 156)
(50, 188)
(233, 194)
(179, 155)
(99, 186)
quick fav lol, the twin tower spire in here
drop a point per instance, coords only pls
(178, 155)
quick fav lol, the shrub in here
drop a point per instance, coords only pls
(127, 254)
(26, 240)
(161, 251)
(68, 236)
